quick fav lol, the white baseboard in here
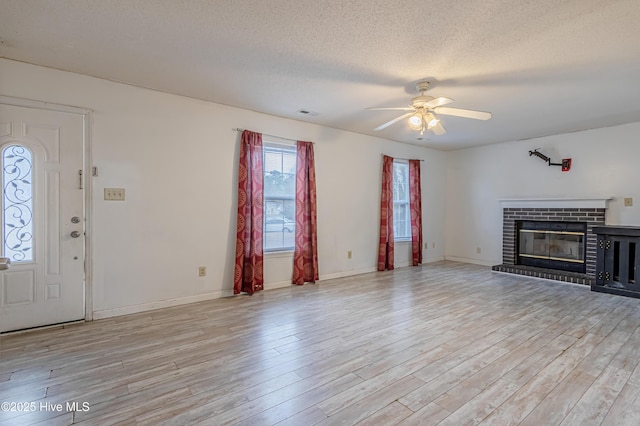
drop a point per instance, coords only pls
(374, 269)
(472, 261)
(143, 307)
(280, 284)
(343, 274)
(134, 309)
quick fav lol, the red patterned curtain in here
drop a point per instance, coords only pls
(248, 274)
(305, 254)
(385, 249)
(415, 205)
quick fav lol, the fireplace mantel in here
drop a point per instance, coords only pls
(556, 203)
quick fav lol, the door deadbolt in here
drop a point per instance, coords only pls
(75, 234)
(75, 219)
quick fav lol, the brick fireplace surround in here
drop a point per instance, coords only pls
(589, 211)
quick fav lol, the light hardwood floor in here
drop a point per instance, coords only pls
(445, 343)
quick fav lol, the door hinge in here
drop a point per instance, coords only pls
(80, 178)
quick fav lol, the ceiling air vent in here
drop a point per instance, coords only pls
(308, 113)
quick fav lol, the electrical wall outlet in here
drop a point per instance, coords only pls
(426, 246)
(114, 194)
(478, 250)
(433, 245)
(628, 202)
(349, 254)
(202, 271)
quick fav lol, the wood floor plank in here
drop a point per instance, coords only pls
(310, 416)
(364, 408)
(516, 408)
(302, 402)
(112, 411)
(430, 414)
(476, 383)
(62, 420)
(625, 358)
(217, 399)
(480, 405)
(565, 396)
(594, 405)
(532, 365)
(444, 343)
(557, 404)
(382, 362)
(443, 383)
(626, 408)
(212, 413)
(389, 415)
(358, 392)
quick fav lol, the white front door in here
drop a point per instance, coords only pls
(42, 217)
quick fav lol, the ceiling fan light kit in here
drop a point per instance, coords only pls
(423, 110)
(422, 121)
(415, 122)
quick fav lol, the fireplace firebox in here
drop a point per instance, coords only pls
(552, 245)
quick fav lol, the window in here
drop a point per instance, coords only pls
(401, 210)
(17, 204)
(279, 197)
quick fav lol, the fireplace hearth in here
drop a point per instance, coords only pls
(558, 243)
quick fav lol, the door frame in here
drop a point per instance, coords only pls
(86, 115)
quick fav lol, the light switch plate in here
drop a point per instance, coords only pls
(628, 202)
(114, 194)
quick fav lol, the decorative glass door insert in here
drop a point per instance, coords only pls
(17, 203)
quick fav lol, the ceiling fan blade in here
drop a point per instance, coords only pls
(466, 113)
(395, 120)
(438, 102)
(438, 129)
(391, 109)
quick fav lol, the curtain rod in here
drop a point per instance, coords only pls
(406, 159)
(237, 129)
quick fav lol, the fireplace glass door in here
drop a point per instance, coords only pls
(553, 245)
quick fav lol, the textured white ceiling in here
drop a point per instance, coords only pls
(541, 67)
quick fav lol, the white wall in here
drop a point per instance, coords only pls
(605, 163)
(177, 159)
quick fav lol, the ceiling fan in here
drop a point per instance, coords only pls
(423, 110)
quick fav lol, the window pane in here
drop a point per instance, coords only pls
(279, 197)
(400, 182)
(279, 173)
(17, 203)
(272, 160)
(401, 211)
(279, 224)
(289, 162)
(401, 220)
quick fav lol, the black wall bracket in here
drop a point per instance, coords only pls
(566, 162)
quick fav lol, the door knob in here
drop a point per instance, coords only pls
(75, 234)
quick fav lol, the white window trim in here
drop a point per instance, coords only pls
(279, 144)
(409, 238)
(276, 254)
